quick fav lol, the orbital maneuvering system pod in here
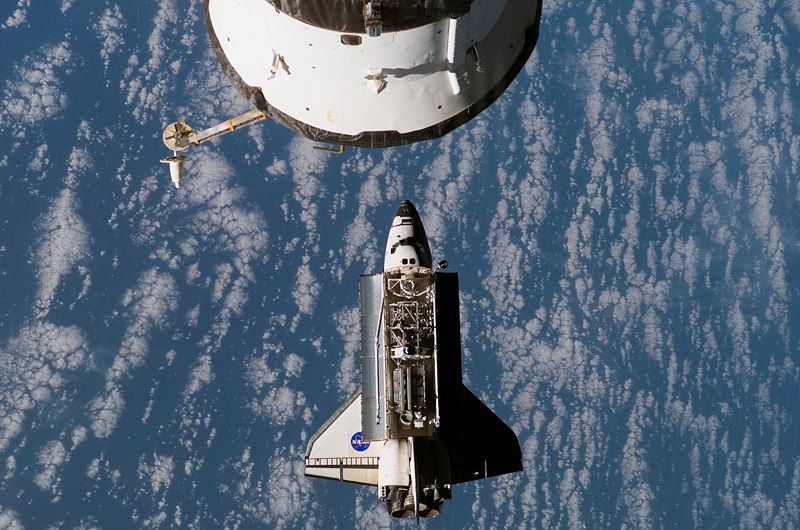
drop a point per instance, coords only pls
(412, 429)
(371, 73)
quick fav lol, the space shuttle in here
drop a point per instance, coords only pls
(412, 429)
(366, 73)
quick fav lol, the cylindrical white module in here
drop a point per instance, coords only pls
(372, 73)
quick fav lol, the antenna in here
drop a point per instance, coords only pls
(179, 136)
(175, 167)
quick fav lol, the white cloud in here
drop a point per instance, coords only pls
(151, 84)
(274, 493)
(49, 458)
(232, 306)
(360, 238)
(347, 323)
(449, 178)
(289, 498)
(369, 513)
(507, 262)
(33, 93)
(258, 373)
(150, 303)
(280, 405)
(109, 28)
(637, 493)
(570, 499)
(213, 208)
(9, 519)
(306, 289)
(105, 411)
(158, 472)
(293, 365)
(19, 16)
(31, 370)
(149, 79)
(639, 246)
(78, 436)
(278, 167)
(64, 243)
(206, 90)
(307, 165)
(201, 375)
(224, 274)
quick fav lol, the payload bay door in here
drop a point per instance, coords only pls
(373, 384)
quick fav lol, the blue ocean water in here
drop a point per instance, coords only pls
(623, 221)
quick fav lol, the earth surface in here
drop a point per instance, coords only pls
(624, 220)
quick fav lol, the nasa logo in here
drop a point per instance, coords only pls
(358, 443)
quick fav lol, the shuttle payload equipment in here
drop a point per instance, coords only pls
(412, 429)
(372, 73)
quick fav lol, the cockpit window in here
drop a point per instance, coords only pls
(404, 241)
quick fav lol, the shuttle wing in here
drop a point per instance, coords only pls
(479, 444)
(337, 450)
(484, 446)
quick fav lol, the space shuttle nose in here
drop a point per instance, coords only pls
(407, 232)
(406, 209)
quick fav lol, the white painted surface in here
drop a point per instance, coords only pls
(402, 229)
(323, 82)
(335, 443)
(394, 469)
